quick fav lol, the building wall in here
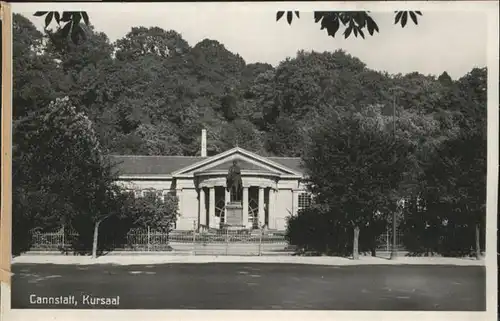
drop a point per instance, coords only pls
(284, 206)
(286, 198)
(189, 209)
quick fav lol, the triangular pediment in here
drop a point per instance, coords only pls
(248, 162)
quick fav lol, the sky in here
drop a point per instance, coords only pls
(452, 41)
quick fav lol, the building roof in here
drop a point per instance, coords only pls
(138, 164)
(165, 165)
(293, 163)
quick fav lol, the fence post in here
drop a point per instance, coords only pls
(226, 240)
(194, 237)
(149, 238)
(63, 241)
(387, 241)
(260, 239)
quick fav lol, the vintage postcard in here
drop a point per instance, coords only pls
(250, 160)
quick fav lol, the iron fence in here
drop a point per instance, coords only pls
(207, 242)
(385, 242)
(56, 241)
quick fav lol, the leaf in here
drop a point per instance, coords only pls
(40, 13)
(345, 17)
(318, 15)
(48, 19)
(360, 18)
(372, 25)
(361, 33)
(297, 14)
(355, 32)
(404, 19)
(57, 16)
(413, 17)
(332, 26)
(347, 32)
(66, 29)
(279, 14)
(66, 16)
(85, 17)
(398, 16)
(289, 17)
(418, 12)
(76, 17)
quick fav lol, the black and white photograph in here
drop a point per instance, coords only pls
(175, 157)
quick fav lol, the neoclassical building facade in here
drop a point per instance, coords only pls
(273, 187)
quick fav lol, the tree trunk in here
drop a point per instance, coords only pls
(478, 244)
(96, 237)
(355, 247)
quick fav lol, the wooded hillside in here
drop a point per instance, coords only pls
(151, 92)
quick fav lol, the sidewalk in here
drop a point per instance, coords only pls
(166, 258)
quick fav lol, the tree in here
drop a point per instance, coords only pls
(456, 184)
(455, 173)
(37, 80)
(355, 170)
(286, 138)
(58, 168)
(312, 80)
(473, 99)
(104, 200)
(158, 92)
(445, 79)
(86, 67)
(242, 133)
(151, 211)
(443, 212)
(142, 41)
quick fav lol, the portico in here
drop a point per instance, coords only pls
(258, 199)
(272, 187)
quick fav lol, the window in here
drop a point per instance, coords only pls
(304, 201)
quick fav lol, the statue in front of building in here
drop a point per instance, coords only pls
(233, 182)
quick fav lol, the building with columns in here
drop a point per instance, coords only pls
(273, 187)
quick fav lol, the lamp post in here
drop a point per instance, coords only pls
(394, 252)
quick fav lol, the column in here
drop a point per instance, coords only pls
(178, 193)
(227, 199)
(201, 203)
(245, 206)
(261, 214)
(272, 209)
(211, 207)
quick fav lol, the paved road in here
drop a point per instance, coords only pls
(255, 286)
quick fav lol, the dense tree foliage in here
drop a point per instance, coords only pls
(151, 93)
(355, 170)
(152, 211)
(58, 168)
(447, 214)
